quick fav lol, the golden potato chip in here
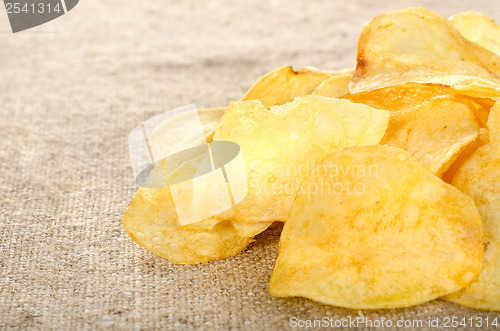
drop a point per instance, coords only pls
(481, 140)
(494, 123)
(335, 86)
(479, 177)
(435, 132)
(479, 106)
(371, 228)
(478, 28)
(245, 229)
(151, 221)
(402, 97)
(279, 145)
(415, 45)
(284, 84)
(426, 121)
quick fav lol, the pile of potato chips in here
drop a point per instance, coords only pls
(386, 177)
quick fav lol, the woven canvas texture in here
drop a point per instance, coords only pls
(70, 92)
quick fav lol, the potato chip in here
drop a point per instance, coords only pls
(478, 28)
(335, 86)
(418, 46)
(435, 132)
(426, 121)
(284, 84)
(494, 123)
(481, 140)
(396, 98)
(371, 228)
(249, 230)
(186, 167)
(479, 106)
(479, 177)
(402, 97)
(151, 221)
(281, 143)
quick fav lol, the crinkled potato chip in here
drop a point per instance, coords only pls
(478, 28)
(335, 86)
(280, 144)
(435, 132)
(415, 45)
(371, 228)
(284, 84)
(479, 177)
(151, 221)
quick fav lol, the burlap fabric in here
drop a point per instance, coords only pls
(71, 90)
